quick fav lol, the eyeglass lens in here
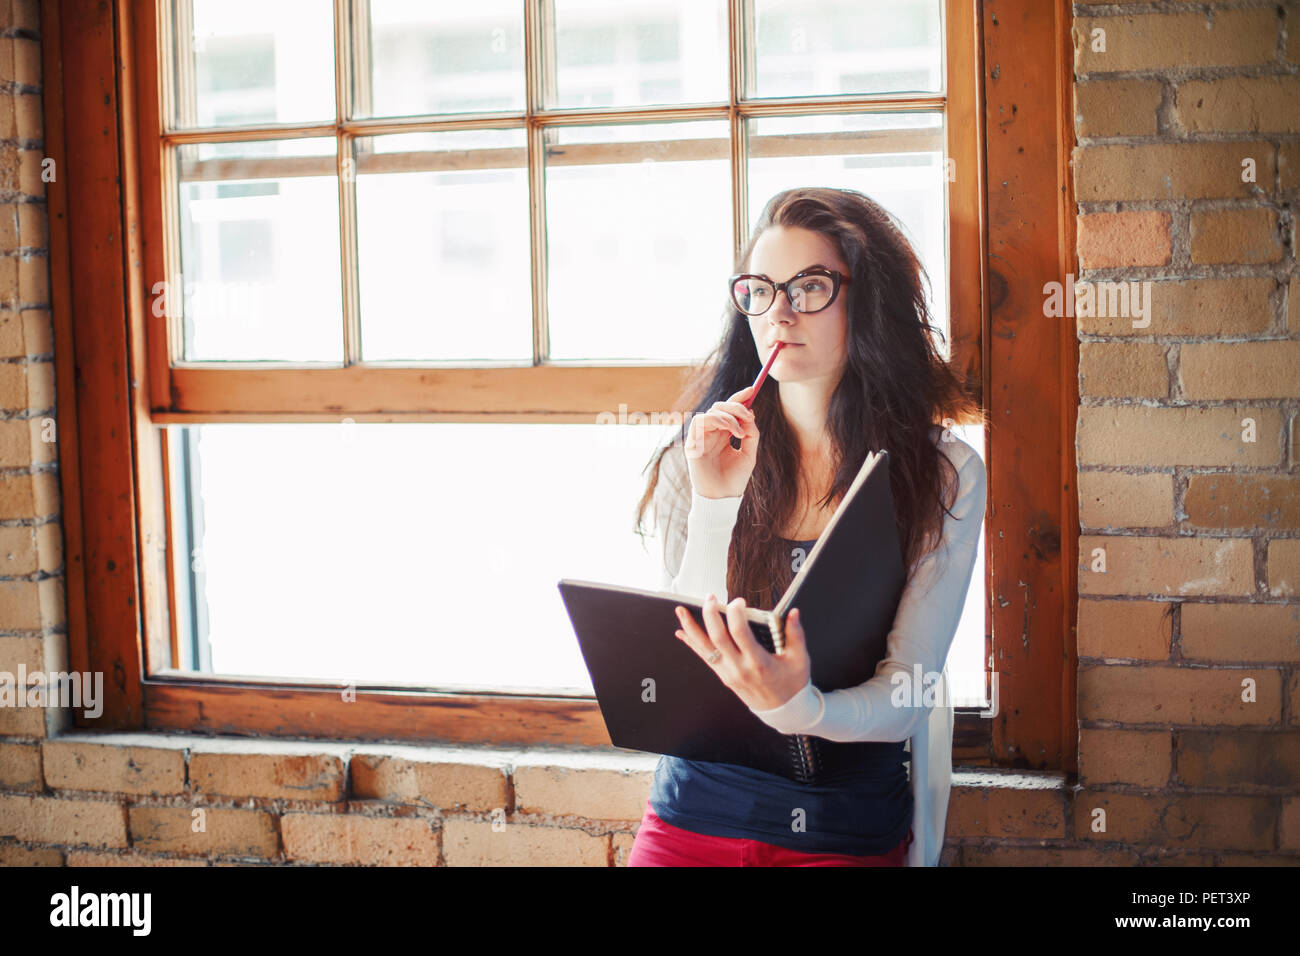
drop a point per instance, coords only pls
(811, 293)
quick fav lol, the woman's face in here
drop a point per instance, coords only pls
(815, 341)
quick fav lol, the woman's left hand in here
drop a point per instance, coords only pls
(761, 679)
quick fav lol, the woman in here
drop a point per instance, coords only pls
(829, 273)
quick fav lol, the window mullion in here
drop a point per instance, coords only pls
(345, 174)
(539, 82)
(736, 72)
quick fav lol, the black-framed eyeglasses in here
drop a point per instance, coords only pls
(809, 291)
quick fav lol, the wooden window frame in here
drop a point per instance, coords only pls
(117, 384)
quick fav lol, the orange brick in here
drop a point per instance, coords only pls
(22, 174)
(1283, 560)
(1123, 370)
(9, 283)
(595, 786)
(1290, 823)
(1240, 370)
(1168, 567)
(38, 332)
(1188, 821)
(1116, 107)
(46, 497)
(12, 341)
(26, 15)
(1171, 171)
(1007, 805)
(1124, 629)
(19, 333)
(1244, 633)
(20, 605)
(203, 831)
(20, 766)
(1161, 41)
(13, 391)
(1292, 30)
(22, 722)
(1161, 694)
(1235, 235)
(1138, 757)
(73, 763)
(12, 854)
(1194, 436)
(18, 495)
(1121, 239)
(1293, 305)
(1239, 758)
(468, 842)
(57, 820)
(40, 392)
(443, 777)
(1199, 307)
(28, 122)
(17, 550)
(278, 770)
(21, 651)
(1252, 104)
(359, 840)
(8, 211)
(1115, 499)
(27, 61)
(49, 546)
(1253, 501)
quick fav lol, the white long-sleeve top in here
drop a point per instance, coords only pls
(922, 633)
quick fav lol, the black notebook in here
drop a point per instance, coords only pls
(658, 695)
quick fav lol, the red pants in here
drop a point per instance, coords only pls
(662, 844)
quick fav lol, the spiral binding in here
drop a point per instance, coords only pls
(802, 748)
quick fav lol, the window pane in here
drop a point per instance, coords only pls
(443, 58)
(896, 159)
(658, 51)
(835, 47)
(442, 222)
(245, 62)
(639, 240)
(411, 553)
(259, 251)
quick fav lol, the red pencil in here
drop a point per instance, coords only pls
(758, 382)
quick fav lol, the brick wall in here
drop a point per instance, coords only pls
(1186, 174)
(1198, 529)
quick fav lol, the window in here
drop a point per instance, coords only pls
(323, 436)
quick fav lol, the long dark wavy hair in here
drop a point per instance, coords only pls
(894, 387)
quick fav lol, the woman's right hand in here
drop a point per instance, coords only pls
(717, 470)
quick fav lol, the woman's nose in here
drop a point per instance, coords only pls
(782, 311)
